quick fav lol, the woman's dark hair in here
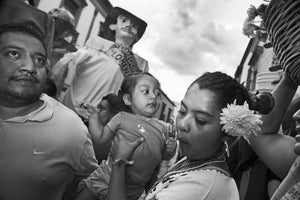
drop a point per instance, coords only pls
(130, 82)
(226, 90)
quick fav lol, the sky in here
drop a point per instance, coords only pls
(185, 38)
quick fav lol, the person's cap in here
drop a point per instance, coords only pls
(18, 12)
(111, 18)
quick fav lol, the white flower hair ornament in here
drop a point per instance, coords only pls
(239, 120)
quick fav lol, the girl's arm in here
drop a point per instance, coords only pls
(276, 150)
(100, 134)
(123, 150)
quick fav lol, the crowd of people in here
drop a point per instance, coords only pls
(102, 141)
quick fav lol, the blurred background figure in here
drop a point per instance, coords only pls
(110, 105)
(64, 40)
(65, 34)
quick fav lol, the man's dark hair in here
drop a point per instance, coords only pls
(27, 28)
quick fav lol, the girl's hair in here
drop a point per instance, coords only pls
(226, 90)
(129, 84)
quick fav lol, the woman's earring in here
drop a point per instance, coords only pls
(226, 148)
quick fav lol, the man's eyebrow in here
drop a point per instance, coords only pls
(8, 46)
(20, 48)
(41, 54)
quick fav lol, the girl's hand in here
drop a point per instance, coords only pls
(87, 110)
(122, 149)
(170, 148)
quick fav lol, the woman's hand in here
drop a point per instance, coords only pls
(122, 149)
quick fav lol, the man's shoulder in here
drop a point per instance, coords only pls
(65, 114)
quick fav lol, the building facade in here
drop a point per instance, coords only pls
(87, 14)
(259, 68)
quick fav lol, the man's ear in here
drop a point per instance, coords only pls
(126, 99)
(113, 27)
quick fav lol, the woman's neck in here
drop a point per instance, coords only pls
(220, 151)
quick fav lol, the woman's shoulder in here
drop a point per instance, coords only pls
(211, 176)
(204, 183)
(222, 185)
(213, 182)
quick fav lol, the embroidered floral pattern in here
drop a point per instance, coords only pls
(141, 128)
(293, 193)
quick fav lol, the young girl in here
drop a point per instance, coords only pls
(141, 94)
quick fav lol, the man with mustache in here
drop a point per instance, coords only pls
(44, 146)
(101, 65)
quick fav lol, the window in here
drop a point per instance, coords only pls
(162, 115)
(169, 115)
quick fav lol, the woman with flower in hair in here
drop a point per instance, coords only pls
(214, 108)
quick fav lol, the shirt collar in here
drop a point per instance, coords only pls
(43, 113)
